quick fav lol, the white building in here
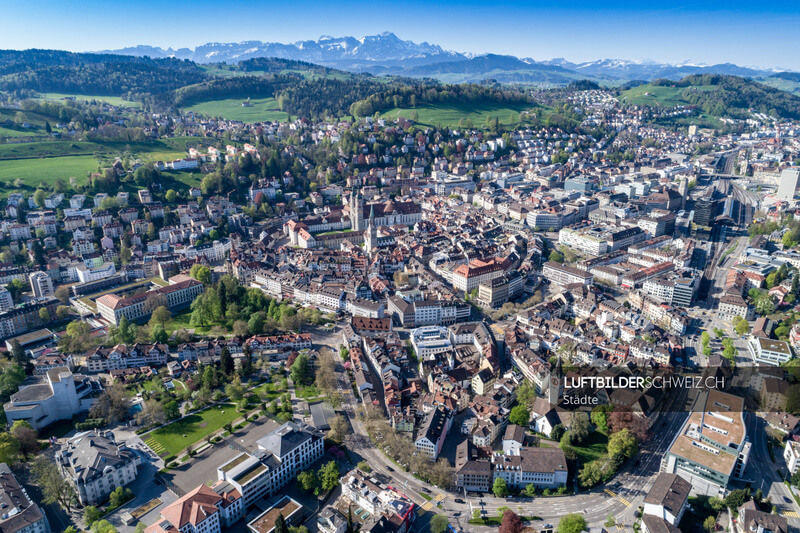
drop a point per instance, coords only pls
(791, 454)
(96, 465)
(769, 351)
(59, 396)
(20, 513)
(428, 341)
(41, 284)
(283, 453)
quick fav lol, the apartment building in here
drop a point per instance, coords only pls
(467, 277)
(667, 499)
(20, 513)
(433, 432)
(41, 284)
(96, 465)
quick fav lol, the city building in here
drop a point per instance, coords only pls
(432, 433)
(281, 455)
(178, 294)
(96, 465)
(769, 351)
(753, 520)
(668, 498)
(791, 454)
(41, 284)
(20, 514)
(787, 186)
(545, 468)
(712, 447)
(203, 510)
(565, 274)
(58, 395)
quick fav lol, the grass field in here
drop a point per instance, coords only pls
(113, 100)
(175, 437)
(593, 447)
(659, 96)
(263, 109)
(449, 115)
(47, 170)
(35, 120)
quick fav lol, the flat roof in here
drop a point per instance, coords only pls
(265, 522)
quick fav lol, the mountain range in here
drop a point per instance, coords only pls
(387, 54)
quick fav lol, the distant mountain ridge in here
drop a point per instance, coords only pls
(386, 53)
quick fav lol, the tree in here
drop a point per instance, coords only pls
(201, 273)
(737, 498)
(439, 524)
(226, 362)
(520, 415)
(300, 369)
(717, 504)
(55, 489)
(18, 354)
(280, 524)
(571, 523)
(26, 436)
(338, 428)
(62, 312)
(441, 474)
(9, 448)
(11, 375)
(76, 338)
(113, 405)
(240, 328)
(91, 514)
(235, 390)
(103, 526)
(171, 196)
(39, 197)
(309, 481)
(710, 523)
(500, 488)
(511, 523)
(600, 417)
(623, 444)
(171, 410)
(364, 467)
(579, 427)
(44, 315)
(152, 413)
(556, 257)
(329, 476)
(161, 315)
(623, 417)
(62, 293)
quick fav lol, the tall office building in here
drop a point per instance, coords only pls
(41, 284)
(788, 184)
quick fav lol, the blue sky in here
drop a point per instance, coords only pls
(747, 33)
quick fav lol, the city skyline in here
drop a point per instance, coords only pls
(708, 33)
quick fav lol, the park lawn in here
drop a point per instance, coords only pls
(595, 445)
(263, 109)
(112, 100)
(47, 170)
(175, 437)
(659, 96)
(449, 115)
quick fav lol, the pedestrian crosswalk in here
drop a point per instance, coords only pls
(617, 496)
(440, 497)
(427, 506)
(789, 513)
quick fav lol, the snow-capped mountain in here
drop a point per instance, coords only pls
(386, 53)
(385, 49)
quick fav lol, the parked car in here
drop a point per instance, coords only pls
(458, 500)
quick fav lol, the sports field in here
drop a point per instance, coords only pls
(47, 170)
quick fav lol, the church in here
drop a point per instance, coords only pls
(387, 213)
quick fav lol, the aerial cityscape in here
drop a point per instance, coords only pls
(401, 281)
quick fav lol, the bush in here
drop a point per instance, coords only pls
(90, 423)
(173, 464)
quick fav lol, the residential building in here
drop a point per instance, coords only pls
(668, 498)
(791, 454)
(433, 432)
(96, 465)
(752, 520)
(20, 513)
(41, 284)
(787, 185)
(565, 274)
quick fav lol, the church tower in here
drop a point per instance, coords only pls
(371, 234)
(356, 210)
(554, 388)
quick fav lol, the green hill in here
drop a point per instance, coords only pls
(717, 96)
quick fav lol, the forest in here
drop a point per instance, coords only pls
(435, 93)
(98, 74)
(733, 96)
